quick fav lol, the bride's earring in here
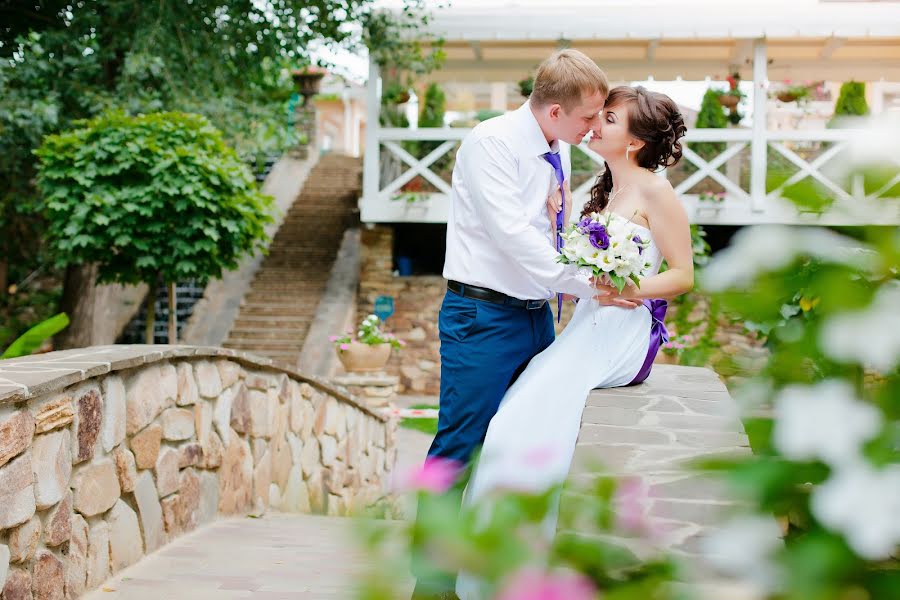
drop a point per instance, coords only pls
(627, 150)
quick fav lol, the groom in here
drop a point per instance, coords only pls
(501, 259)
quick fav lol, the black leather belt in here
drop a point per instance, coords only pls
(480, 293)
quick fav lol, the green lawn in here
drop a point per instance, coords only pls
(428, 426)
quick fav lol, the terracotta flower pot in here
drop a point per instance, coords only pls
(728, 101)
(364, 358)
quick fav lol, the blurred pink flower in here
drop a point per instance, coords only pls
(345, 346)
(332, 338)
(436, 475)
(533, 584)
(539, 456)
(629, 500)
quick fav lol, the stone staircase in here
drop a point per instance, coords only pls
(277, 311)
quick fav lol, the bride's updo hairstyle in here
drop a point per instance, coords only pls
(653, 118)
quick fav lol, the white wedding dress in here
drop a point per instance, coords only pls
(531, 440)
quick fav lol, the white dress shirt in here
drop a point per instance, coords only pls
(498, 231)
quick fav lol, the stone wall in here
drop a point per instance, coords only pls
(417, 301)
(108, 453)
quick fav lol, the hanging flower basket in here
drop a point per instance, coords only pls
(787, 96)
(729, 100)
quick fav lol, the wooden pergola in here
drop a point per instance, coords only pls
(763, 41)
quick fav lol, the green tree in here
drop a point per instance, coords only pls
(711, 116)
(157, 197)
(229, 60)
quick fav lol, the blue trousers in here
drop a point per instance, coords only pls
(484, 348)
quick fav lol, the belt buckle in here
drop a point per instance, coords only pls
(534, 304)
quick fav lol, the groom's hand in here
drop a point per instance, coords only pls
(608, 295)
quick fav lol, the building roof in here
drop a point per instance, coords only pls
(492, 40)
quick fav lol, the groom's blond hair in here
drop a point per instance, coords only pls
(565, 77)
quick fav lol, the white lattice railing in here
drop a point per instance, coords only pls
(748, 198)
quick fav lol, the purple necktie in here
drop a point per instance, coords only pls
(556, 163)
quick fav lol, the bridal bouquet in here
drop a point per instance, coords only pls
(607, 246)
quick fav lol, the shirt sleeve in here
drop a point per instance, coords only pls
(491, 169)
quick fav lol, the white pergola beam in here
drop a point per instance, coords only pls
(743, 52)
(476, 50)
(651, 49)
(830, 46)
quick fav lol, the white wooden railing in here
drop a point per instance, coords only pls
(386, 195)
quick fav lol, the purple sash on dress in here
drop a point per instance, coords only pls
(659, 335)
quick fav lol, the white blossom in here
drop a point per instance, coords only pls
(868, 337)
(864, 505)
(823, 421)
(743, 548)
(765, 248)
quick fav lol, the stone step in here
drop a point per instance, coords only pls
(300, 303)
(263, 346)
(277, 311)
(273, 334)
(253, 321)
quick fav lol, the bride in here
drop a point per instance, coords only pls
(531, 440)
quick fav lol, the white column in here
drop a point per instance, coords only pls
(348, 122)
(760, 138)
(371, 167)
(357, 125)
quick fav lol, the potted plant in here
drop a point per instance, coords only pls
(395, 94)
(792, 93)
(369, 350)
(733, 95)
(308, 80)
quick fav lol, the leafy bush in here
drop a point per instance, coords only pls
(149, 198)
(826, 418)
(711, 116)
(851, 102)
(484, 114)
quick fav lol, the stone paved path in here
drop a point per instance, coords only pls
(277, 557)
(647, 431)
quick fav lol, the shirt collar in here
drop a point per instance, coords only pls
(535, 141)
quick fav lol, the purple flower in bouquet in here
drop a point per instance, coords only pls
(599, 238)
(596, 232)
(637, 239)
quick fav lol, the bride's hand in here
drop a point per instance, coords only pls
(555, 204)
